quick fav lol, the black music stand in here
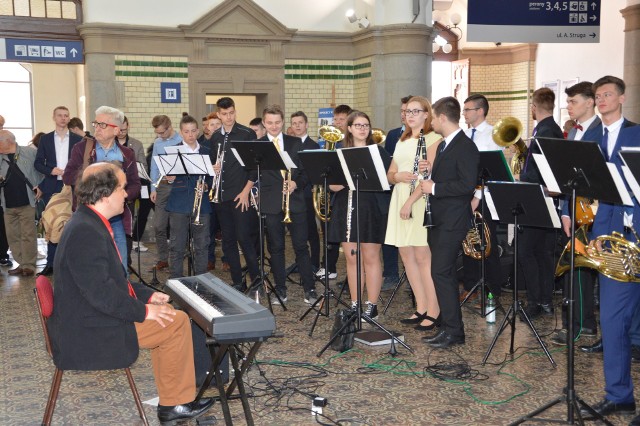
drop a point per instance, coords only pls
(260, 156)
(492, 166)
(364, 171)
(323, 168)
(520, 204)
(576, 168)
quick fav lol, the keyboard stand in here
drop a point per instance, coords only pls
(218, 352)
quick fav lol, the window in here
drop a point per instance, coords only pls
(57, 9)
(16, 101)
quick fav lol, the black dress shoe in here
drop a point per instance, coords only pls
(592, 349)
(444, 340)
(532, 311)
(169, 414)
(46, 271)
(606, 407)
(435, 322)
(417, 320)
(635, 353)
(635, 421)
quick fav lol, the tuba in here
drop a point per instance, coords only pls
(378, 136)
(618, 260)
(331, 136)
(472, 244)
(508, 132)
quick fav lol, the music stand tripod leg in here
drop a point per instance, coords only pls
(395, 290)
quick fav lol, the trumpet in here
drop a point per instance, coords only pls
(254, 194)
(214, 193)
(197, 200)
(285, 197)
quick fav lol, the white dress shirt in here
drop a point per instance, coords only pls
(62, 150)
(483, 137)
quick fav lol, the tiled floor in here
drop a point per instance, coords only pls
(364, 386)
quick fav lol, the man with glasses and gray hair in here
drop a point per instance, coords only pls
(106, 148)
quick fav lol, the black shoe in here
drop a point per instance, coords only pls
(389, 283)
(414, 321)
(596, 348)
(547, 308)
(443, 340)
(435, 322)
(46, 271)
(310, 296)
(371, 311)
(282, 294)
(635, 421)
(587, 332)
(507, 286)
(606, 407)
(242, 287)
(168, 414)
(635, 353)
(532, 311)
(559, 337)
(5, 261)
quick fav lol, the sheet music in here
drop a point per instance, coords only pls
(622, 189)
(552, 212)
(491, 206)
(377, 162)
(235, 154)
(173, 149)
(631, 180)
(142, 172)
(547, 174)
(286, 158)
(144, 192)
(194, 164)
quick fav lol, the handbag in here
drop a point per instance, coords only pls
(344, 341)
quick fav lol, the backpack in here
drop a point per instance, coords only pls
(56, 214)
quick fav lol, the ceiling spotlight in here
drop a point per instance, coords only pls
(362, 22)
(351, 15)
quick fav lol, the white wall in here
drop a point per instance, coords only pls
(588, 61)
(303, 15)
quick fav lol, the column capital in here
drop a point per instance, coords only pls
(631, 15)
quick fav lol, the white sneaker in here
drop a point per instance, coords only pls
(332, 275)
(140, 247)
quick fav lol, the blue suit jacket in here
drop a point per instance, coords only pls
(610, 217)
(46, 161)
(392, 140)
(592, 134)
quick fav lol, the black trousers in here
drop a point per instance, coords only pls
(536, 260)
(312, 232)
(238, 228)
(472, 268)
(445, 245)
(140, 224)
(275, 245)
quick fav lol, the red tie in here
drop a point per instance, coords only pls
(577, 126)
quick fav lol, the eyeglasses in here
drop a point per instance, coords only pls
(414, 111)
(102, 125)
(361, 126)
(470, 109)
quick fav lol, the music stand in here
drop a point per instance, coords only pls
(323, 168)
(260, 156)
(520, 204)
(492, 166)
(577, 168)
(364, 171)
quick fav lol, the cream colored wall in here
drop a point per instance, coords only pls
(54, 85)
(325, 15)
(245, 106)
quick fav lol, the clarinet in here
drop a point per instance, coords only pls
(412, 185)
(427, 222)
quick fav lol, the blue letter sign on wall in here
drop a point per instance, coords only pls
(170, 93)
(529, 21)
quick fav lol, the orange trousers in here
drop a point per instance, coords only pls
(172, 358)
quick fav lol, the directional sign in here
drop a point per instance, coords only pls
(529, 21)
(170, 93)
(26, 50)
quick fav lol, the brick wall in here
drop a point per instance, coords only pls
(141, 77)
(311, 84)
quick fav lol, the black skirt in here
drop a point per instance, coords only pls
(373, 223)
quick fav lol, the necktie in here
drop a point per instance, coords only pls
(277, 144)
(605, 143)
(443, 145)
(473, 133)
(577, 126)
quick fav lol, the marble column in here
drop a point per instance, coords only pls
(631, 15)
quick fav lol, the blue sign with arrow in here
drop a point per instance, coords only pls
(33, 50)
(529, 21)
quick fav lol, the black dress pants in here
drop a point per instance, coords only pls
(238, 228)
(536, 260)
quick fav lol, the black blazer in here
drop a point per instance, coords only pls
(271, 181)
(455, 172)
(547, 128)
(46, 160)
(92, 323)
